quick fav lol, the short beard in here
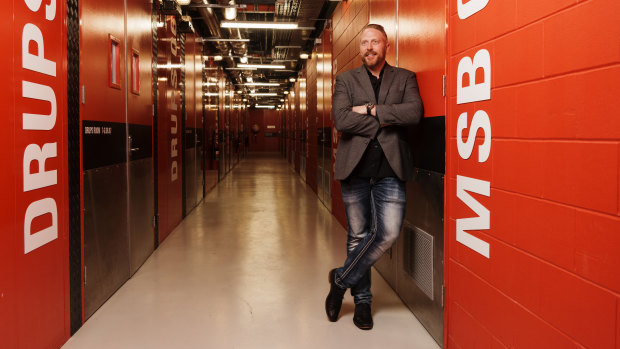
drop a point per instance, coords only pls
(377, 63)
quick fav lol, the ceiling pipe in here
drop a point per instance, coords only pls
(210, 20)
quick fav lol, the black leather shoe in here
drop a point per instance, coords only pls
(363, 316)
(333, 302)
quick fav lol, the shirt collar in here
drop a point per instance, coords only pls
(380, 74)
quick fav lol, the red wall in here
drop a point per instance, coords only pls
(551, 278)
(422, 49)
(34, 297)
(8, 241)
(264, 118)
(140, 41)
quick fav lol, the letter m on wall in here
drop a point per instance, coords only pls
(464, 185)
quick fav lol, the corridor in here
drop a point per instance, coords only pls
(247, 268)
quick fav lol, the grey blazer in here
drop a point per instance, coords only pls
(399, 105)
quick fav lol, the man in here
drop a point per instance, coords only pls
(372, 105)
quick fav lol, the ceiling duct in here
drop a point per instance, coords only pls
(170, 7)
(185, 25)
(213, 26)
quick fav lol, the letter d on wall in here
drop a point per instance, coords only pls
(45, 236)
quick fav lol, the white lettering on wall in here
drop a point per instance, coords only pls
(480, 121)
(173, 148)
(41, 178)
(482, 222)
(43, 93)
(34, 173)
(32, 241)
(475, 91)
(470, 7)
(172, 105)
(50, 9)
(35, 62)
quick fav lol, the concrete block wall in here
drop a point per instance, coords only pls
(551, 279)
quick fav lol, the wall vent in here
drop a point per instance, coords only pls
(418, 258)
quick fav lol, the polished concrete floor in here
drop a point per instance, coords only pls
(248, 268)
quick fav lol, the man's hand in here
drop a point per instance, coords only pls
(361, 109)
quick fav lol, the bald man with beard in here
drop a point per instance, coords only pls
(372, 106)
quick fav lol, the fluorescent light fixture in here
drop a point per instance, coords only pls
(265, 94)
(292, 80)
(261, 84)
(207, 5)
(304, 56)
(264, 106)
(212, 94)
(261, 66)
(281, 100)
(285, 92)
(259, 25)
(227, 40)
(169, 66)
(241, 68)
(217, 58)
(183, 2)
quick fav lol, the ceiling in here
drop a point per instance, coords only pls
(265, 46)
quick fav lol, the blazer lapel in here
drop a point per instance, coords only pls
(364, 81)
(386, 82)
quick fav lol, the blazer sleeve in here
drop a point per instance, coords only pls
(410, 111)
(346, 120)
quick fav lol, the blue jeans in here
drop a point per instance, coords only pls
(375, 211)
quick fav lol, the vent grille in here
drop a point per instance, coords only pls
(418, 258)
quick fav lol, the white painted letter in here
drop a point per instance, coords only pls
(174, 152)
(50, 10)
(42, 237)
(470, 7)
(40, 178)
(475, 91)
(482, 222)
(480, 121)
(39, 121)
(174, 47)
(175, 171)
(173, 128)
(35, 62)
(173, 26)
